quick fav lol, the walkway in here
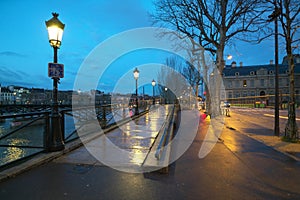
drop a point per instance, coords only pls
(249, 171)
(125, 148)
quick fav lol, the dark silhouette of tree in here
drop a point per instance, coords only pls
(211, 23)
(289, 20)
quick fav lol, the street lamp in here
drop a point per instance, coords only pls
(166, 90)
(136, 74)
(54, 137)
(153, 85)
(229, 57)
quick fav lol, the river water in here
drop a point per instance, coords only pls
(30, 140)
(27, 141)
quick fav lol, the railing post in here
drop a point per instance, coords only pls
(124, 112)
(104, 115)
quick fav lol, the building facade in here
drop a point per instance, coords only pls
(250, 84)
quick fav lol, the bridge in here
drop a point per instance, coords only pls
(141, 137)
(238, 167)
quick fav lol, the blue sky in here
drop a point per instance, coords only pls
(25, 51)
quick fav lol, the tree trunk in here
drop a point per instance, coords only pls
(217, 81)
(291, 129)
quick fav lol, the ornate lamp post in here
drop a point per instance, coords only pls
(55, 138)
(136, 74)
(153, 85)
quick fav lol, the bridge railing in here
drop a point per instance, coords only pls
(163, 150)
(24, 135)
(167, 131)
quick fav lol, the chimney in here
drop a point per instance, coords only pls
(241, 64)
(271, 62)
(233, 64)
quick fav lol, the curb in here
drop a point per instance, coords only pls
(37, 160)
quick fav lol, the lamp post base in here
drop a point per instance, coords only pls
(55, 137)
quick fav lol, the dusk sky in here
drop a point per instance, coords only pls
(25, 51)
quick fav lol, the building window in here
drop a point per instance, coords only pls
(262, 82)
(237, 73)
(251, 83)
(252, 73)
(262, 93)
(244, 83)
(229, 84)
(271, 82)
(237, 83)
(271, 72)
(287, 82)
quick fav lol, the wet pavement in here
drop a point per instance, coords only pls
(238, 167)
(259, 124)
(126, 147)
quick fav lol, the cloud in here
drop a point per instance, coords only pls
(16, 77)
(11, 54)
(6, 74)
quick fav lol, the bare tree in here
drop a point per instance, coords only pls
(192, 75)
(289, 19)
(212, 23)
(169, 76)
(178, 86)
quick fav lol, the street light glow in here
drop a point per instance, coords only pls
(153, 82)
(55, 30)
(136, 73)
(229, 57)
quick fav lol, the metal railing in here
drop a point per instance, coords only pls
(167, 132)
(262, 101)
(24, 134)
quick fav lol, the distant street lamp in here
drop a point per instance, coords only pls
(153, 85)
(136, 74)
(55, 138)
(229, 57)
(273, 17)
(166, 90)
(15, 98)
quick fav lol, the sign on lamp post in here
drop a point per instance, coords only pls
(55, 70)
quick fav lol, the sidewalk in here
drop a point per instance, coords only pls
(220, 175)
(266, 137)
(75, 154)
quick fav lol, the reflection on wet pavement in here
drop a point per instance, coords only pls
(126, 147)
(140, 133)
(129, 144)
